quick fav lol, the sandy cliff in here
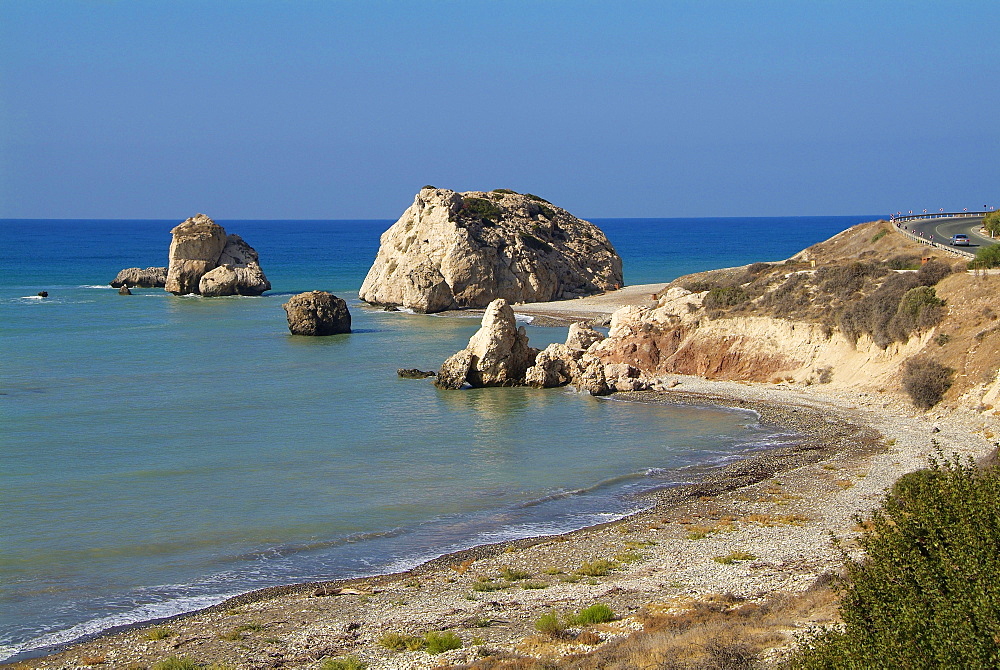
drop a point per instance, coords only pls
(849, 312)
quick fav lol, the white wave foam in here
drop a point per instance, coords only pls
(148, 612)
(104, 286)
(523, 317)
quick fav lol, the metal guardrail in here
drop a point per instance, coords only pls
(936, 215)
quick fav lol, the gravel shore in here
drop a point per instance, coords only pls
(778, 506)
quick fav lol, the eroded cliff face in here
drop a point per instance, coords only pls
(746, 348)
(452, 250)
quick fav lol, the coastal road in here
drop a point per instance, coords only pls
(942, 229)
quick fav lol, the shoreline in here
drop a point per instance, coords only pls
(837, 469)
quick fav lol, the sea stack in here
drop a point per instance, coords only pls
(456, 250)
(204, 260)
(497, 355)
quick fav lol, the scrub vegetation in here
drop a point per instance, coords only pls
(927, 592)
(860, 298)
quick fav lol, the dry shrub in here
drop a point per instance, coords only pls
(720, 633)
(926, 381)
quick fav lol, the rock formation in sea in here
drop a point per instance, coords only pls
(453, 250)
(497, 355)
(237, 273)
(317, 313)
(139, 278)
(203, 259)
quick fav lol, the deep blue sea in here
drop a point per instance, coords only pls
(160, 453)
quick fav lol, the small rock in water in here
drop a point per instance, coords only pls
(124, 290)
(43, 294)
(414, 373)
(317, 313)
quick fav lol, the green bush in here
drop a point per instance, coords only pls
(986, 257)
(505, 191)
(401, 641)
(343, 663)
(159, 633)
(927, 594)
(926, 381)
(992, 222)
(549, 624)
(481, 208)
(486, 585)
(439, 642)
(598, 568)
(724, 296)
(513, 574)
(596, 613)
(176, 663)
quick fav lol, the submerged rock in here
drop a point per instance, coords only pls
(414, 373)
(452, 250)
(317, 313)
(497, 355)
(139, 278)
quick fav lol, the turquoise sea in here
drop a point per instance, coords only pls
(160, 453)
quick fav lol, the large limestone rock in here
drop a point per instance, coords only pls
(317, 313)
(238, 272)
(497, 355)
(139, 278)
(194, 250)
(203, 259)
(452, 250)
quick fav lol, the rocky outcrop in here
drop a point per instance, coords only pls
(139, 278)
(237, 273)
(203, 259)
(194, 250)
(124, 290)
(317, 313)
(497, 355)
(454, 250)
(581, 336)
(555, 365)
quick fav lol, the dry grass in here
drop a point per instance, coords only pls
(719, 632)
(776, 519)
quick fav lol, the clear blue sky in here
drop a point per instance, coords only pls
(326, 109)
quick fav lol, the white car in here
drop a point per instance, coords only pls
(960, 240)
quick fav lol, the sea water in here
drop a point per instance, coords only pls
(160, 453)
